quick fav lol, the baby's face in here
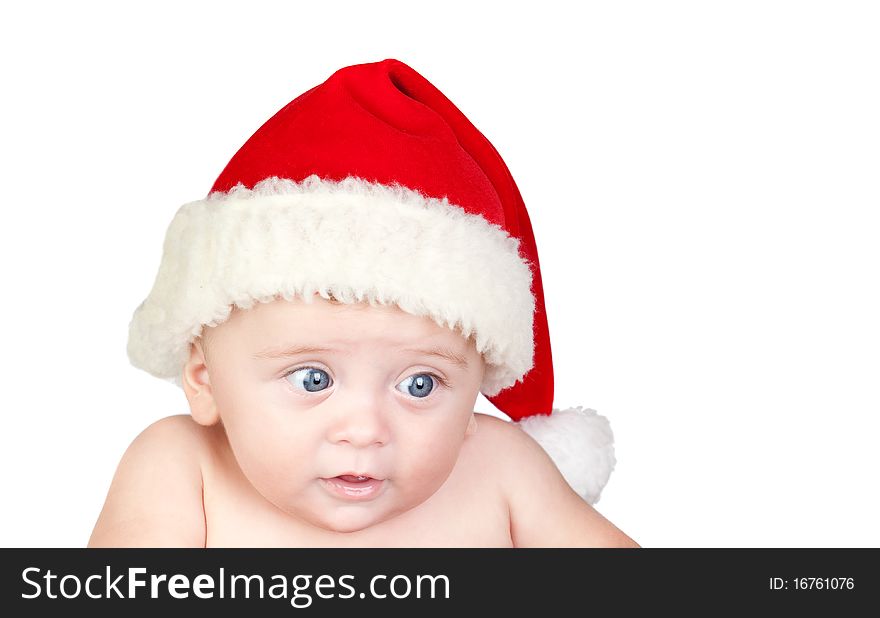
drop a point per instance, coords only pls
(311, 392)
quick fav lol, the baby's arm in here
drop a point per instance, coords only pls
(155, 499)
(544, 509)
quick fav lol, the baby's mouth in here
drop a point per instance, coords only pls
(354, 486)
(348, 478)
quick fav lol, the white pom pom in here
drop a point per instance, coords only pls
(581, 445)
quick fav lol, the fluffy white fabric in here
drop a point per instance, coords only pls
(580, 443)
(352, 239)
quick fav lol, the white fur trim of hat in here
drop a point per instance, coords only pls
(352, 239)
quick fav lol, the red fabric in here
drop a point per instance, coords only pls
(384, 122)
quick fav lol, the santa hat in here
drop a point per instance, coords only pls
(374, 187)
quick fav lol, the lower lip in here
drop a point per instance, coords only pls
(353, 491)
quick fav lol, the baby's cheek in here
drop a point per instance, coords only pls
(429, 462)
(266, 457)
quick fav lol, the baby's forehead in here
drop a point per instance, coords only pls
(327, 321)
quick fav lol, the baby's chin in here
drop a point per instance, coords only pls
(349, 519)
(341, 518)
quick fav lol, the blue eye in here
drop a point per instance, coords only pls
(418, 385)
(309, 378)
(313, 380)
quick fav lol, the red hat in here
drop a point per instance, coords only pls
(356, 189)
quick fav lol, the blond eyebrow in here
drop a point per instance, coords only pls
(295, 350)
(291, 350)
(448, 355)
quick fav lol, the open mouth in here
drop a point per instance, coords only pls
(354, 486)
(350, 478)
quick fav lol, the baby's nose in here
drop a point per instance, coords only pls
(362, 426)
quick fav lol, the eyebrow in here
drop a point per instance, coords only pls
(285, 351)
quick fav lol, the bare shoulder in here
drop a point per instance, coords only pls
(155, 497)
(493, 435)
(501, 442)
(544, 510)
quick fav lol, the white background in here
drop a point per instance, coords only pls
(703, 180)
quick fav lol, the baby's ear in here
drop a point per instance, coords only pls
(197, 386)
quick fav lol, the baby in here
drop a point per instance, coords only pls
(362, 269)
(330, 425)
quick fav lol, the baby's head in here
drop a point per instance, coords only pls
(372, 188)
(310, 390)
